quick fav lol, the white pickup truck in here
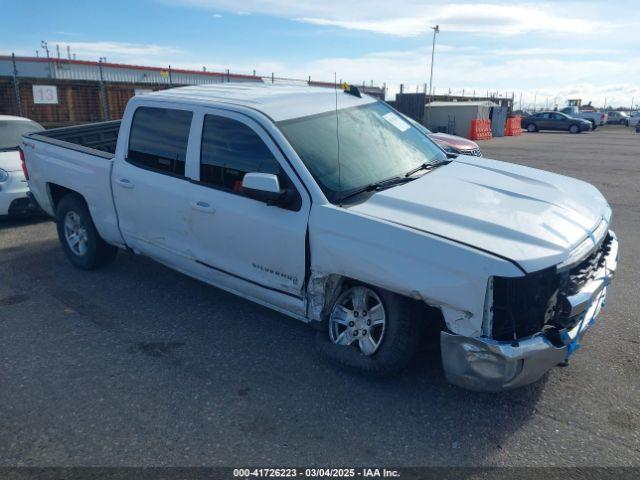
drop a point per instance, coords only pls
(331, 208)
(596, 117)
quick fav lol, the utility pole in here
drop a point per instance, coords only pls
(103, 90)
(520, 101)
(436, 30)
(44, 45)
(16, 84)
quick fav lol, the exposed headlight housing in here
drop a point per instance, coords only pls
(4, 176)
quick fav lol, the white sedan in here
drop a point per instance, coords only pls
(13, 186)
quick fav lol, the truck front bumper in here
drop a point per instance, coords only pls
(484, 364)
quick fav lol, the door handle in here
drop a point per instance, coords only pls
(202, 207)
(125, 182)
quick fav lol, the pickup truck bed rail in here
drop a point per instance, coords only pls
(97, 139)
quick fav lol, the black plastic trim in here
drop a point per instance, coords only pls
(70, 146)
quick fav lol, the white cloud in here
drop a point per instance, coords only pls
(118, 51)
(478, 71)
(406, 18)
(486, 19)
(554, 52)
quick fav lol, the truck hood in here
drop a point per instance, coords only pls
(529, 216)
(10, 161)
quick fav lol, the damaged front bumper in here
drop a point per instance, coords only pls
(485, 364)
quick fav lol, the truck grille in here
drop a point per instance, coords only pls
(474, 153)
(523, 306)
(586, 270)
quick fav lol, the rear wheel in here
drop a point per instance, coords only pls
(371, 330)
(532, 128)
(574, 128)
(80, 240)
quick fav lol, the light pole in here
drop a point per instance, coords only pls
(103, 91)
(44, 45)
(436, 30)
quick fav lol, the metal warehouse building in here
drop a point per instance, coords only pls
(57, 92)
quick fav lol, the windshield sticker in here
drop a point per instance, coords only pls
(396, 121)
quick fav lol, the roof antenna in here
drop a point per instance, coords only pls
(335, 89)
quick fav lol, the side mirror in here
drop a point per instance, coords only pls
(265, 187)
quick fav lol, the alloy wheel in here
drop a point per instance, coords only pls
(358, 319)
(75, 233)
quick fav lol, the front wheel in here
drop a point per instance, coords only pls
(574, 128)
(371, 330)
(532, 128)
(593, 125)
(80, 240)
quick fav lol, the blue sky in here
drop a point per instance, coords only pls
(544, 50)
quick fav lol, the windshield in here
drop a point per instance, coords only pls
(11, 131)
(374, 142)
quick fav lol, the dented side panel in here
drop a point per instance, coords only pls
(439, 272)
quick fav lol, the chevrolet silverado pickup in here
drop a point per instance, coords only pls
(331, 208)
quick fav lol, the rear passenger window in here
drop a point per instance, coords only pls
(159, 138)
(229, 150)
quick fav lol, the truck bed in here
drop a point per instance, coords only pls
(76, 159)
(98, 139)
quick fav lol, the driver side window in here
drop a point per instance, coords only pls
(229, 150)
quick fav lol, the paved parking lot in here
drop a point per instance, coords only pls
(138, 365)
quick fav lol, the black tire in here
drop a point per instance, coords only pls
(574, 128)
(98, 252)
(593, 124)
(397, 348)
(532, 127)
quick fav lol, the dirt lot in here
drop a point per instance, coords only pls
(138, 365)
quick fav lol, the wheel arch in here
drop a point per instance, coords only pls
(325, 288)
(58, 192)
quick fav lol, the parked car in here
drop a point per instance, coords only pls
(618, 118)
(596, 117)
(451, 144)
(634, 119)
(13, 186)
(244, 187)
(554, 121)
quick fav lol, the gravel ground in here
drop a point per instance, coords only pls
(138, 365)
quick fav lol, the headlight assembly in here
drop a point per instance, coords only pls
(4, 176)
(449, 149)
